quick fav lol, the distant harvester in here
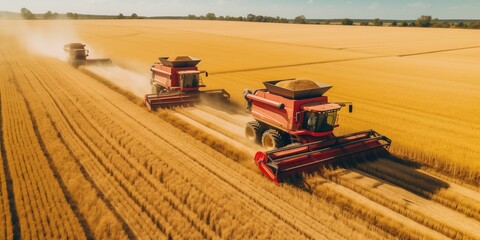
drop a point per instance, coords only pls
(77, 55)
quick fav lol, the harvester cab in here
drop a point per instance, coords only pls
(77, 55)
(294, 122)
(177, 81)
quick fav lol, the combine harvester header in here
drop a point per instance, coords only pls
(294, 122)
(176, 81)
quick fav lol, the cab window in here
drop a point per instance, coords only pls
(190, 80)
(319, 122)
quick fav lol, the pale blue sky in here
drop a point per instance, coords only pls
(384, 9)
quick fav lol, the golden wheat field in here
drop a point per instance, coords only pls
(82, 157)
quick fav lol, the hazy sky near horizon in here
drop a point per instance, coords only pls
(384, 9)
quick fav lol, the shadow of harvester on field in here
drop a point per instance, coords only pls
(384, 168)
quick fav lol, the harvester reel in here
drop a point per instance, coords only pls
(254, 131)
(272, 139)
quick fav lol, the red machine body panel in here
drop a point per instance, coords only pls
(169, 77)
(281, 112)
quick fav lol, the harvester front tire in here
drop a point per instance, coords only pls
(254, 131)
(272, 139)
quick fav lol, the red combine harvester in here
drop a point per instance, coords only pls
(295, 123)
(176, 81)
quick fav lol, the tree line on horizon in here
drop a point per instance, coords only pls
(422, 21)
(27, 14)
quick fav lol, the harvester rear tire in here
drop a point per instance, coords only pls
(272, 139)
(254, 131)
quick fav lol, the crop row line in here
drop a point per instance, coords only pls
(138, 219)
(34, 184)
(9, 225)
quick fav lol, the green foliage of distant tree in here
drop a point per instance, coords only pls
(347, 21)
(134, 16)
(258, 18)
(377, 22)
(300, 20)
(424, 21)
(121, 16)
(69, 15)
(394, 23)
(210, 16)
(26, 14)
(474, 25)
(49, 15)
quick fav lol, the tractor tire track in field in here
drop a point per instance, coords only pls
(436, 51)
(296, 65)
(340, 60)
(8, 177)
